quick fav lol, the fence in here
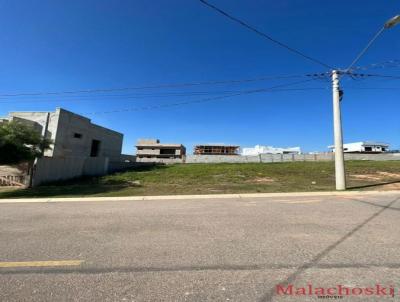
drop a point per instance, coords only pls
(268, 158)
(126, 162)
(16, 175)
(12, 180)
(49, 169)
(272, 158)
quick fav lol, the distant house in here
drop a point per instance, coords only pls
(149, 150)
(216, 149)
(257, 150)
(73, 135)
(364, 147)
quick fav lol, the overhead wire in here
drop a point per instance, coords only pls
(386, 64)
(264, 35)
(374, 88)
(246, 92)
(383, 76)
(129, 97)
(160, 86)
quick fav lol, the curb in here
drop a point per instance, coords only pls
(209, 196)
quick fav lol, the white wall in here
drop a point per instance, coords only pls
(360, 147)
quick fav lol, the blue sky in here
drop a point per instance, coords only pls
(55, 45)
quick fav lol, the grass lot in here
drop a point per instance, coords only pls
(221, 178)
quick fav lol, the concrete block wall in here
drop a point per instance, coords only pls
(382, 156)
(50, 169)
(166, 161)
(125, 162)
(93, 166)
(271, 158)
(115, 166)
(190, 159)
(262, 158)
(127, 158)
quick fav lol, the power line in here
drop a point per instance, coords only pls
(383, 76)
(367, 75)
(131, 96)
(71, 96)
(168, 85)
(248, 26)
(145, 95)
(127, 97)
(64, 98)
(386, 64)
(373, 88)
(199, 101)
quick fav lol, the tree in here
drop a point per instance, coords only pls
(19, 143)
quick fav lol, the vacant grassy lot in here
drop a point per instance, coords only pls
(222, 178)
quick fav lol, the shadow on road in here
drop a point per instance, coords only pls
(146, 269)
(271, 293)
(374, 185)
(376, 205)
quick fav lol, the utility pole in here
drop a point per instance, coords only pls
(337, 118)
(337, 129)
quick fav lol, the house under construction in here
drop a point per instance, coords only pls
(216, 150)
(151, 149)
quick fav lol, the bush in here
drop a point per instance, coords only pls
(19, 143)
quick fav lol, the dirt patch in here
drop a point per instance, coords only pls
(378, 176)
(388, 187)
(216, 190)
(262, 180)
(373, 177)
(388, 174)
(218, 176)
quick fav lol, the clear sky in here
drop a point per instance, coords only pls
(53, 45)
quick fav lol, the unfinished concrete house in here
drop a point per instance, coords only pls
(151, 150)
(216, 150)
(72, 134)
(78, 148)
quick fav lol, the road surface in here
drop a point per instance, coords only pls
(243, 249)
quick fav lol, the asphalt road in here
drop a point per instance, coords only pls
(200, 250)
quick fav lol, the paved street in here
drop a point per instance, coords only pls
(198, 250)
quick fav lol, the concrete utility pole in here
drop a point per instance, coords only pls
(337, 129)
(337, 118)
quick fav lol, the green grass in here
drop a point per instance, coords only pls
(217, 178)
